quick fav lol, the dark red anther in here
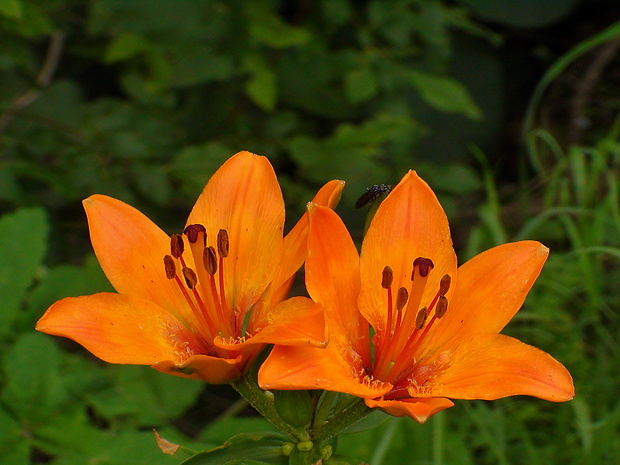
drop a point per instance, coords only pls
(190, 277)
(176, 246)
(193, 230)
(401, 298)
(421, 318)
(209, 259)
(444, 284)
(170, 266)
(222, 243)
(425, 265)
(442, 307)
(387, 277)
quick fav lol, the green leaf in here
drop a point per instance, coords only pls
(153, 183)
(11, 9)
(34, 387)
(143, 395)
(72, 440)
(360, 85)
(125, 47)
(244, 448)
(270, 29)
(294, 407)
(68, 281)
(14, 448)
(22, 249)
(370, 421)
(444, 93)
(218, 432)
(198, 64)
(194, 164)
(33, 21)
(261, 87)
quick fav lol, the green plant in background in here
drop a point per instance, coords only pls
(116, 97)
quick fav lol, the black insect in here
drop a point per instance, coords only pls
(376, 192)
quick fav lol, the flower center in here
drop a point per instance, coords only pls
(408, 322)
(203, 286)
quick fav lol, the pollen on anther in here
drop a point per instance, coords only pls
(193, 230)
(190, 277)
(222, 243)
(444, 284)
(387, 276)
(442, 307)
(169, 265)
(176, 245)
(209, 259)
(425, 265)
(401, 298)
(421, 318)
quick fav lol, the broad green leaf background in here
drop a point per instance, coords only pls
(508, 109)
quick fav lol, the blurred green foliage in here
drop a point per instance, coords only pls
(143, 100)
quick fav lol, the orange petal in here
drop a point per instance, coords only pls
(116, 328)
(489, 290)
(244, 198)
(297, 321)
(295, 242)
(418, 409)
(409, 223)
(130, 249)
(304, 368)
(212, 370)
(332, 274)
(491, 366)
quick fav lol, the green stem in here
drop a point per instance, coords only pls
(342, 420)
(262, 401)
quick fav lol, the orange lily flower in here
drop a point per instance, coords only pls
(436, 328)
(204, 303)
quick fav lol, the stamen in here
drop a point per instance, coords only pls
(222, 243)
(170, 266)
(444, 284)
(190, 277)
(176, 246)
(387, 277)
(421, 318)
(192, 232)
(209, 259)
(442, 307)
(425, 265)
(222, 250)
(401, 298)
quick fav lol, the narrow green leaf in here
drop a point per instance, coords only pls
(244, 448)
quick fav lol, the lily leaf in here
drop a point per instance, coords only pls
(370, 421)
(21, 252)
(246, 448)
